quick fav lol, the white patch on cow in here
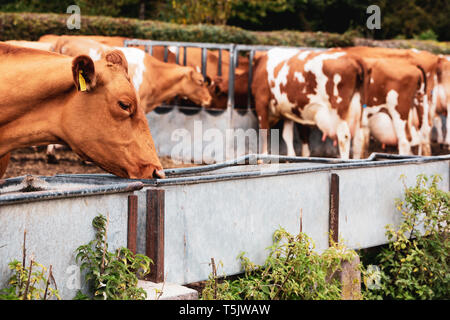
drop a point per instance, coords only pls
(404, 147)
(371, 80)
(336, 79)
(315, 66)
(276, 57)
(415, 50)
(172, 49)
(299, 76)
(135, 57)
(303, 55)
(95, 54)
(354, 113)
(198, 69)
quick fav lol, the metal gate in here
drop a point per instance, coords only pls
(195, 122)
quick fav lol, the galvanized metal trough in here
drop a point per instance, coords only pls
(57, 214)
(218, 211)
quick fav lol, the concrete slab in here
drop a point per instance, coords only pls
(167, 291)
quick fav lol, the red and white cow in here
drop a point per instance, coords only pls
(425, 61)
(394, 112)
(322, 89)
(443, 101)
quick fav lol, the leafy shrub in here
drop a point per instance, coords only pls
(427, 35)
(31, 26)
(293, 270)
(415, 264)
(112, 276)
(29, 283)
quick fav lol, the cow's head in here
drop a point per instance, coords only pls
(104, 122)
(194, 87)
(218, 88)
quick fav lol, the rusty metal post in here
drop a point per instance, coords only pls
(334, 209)
(132, 223)
(155, 233)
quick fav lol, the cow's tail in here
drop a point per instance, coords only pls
(420, 95)
(363, 78)
(424, 78)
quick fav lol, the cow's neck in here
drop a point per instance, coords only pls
(163, 81)
(32, 106)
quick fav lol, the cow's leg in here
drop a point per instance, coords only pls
(404, 147)
(304, 132)
(4, 164)
(288, 137)
(447, 126)
(437, 122)
(263, 122)
(359, 146)
(344, 138)
(425, 129)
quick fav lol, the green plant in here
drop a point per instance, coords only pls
(293, 270)
(29, 283)
(427, 35)
(112, 276)
(415, 264)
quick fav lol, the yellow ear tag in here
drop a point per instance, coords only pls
(82, 81)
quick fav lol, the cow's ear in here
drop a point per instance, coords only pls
(83, 71)
(116, 57)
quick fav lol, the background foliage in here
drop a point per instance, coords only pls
(293, 270)
(31, 26)
(400, 18)
(416, 262)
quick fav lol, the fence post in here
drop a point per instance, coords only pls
(334, 209)
(132, 223)
(155, 233)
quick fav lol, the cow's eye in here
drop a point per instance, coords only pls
(124, 106)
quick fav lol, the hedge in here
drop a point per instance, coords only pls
(31, 26)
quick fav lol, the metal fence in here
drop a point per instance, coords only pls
(233, 49)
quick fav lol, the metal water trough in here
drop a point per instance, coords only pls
(167, 120)
(57, 214)
(220, 210)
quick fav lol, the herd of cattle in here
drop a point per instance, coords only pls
(91, 93)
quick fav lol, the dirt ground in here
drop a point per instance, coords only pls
(34, 161)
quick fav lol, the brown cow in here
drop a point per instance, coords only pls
(443, 101)
(428, 62)
(394, 112)
(155, 81)
(158, 51)
(91, 106)
(323, 89)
